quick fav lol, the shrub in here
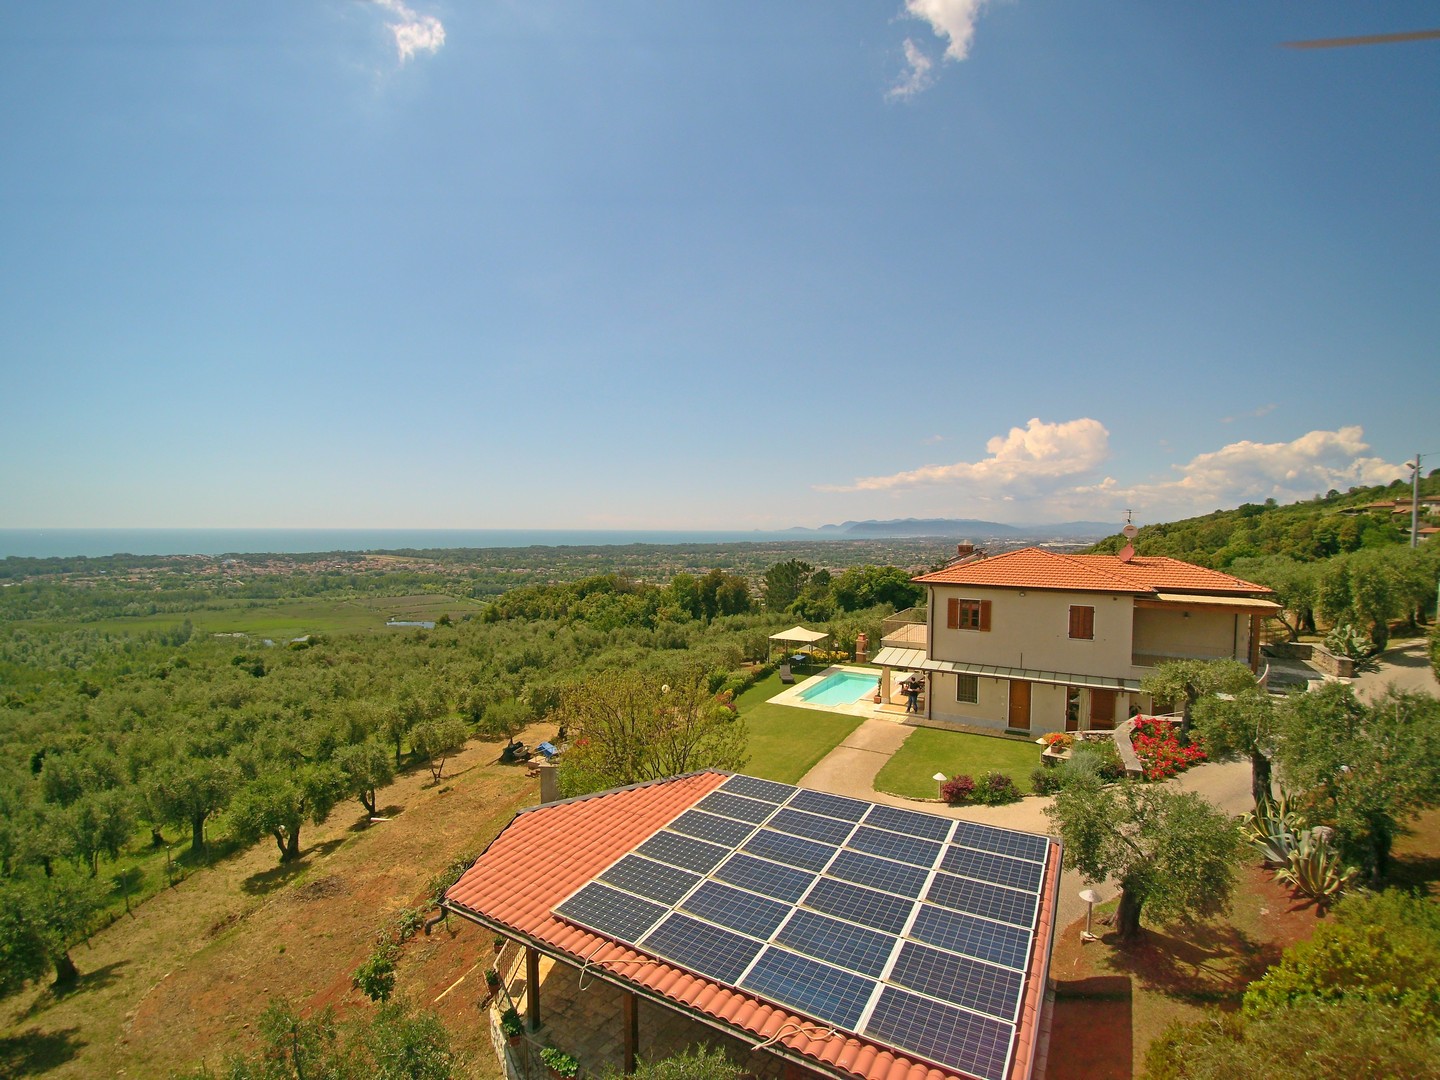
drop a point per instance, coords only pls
(958, 790)
(559, 1062)
(1046, 780)
(1350, 641)
(376, 976)
(996, 789)
(1057, 740)
(697, 1063)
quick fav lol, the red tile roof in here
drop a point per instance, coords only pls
(1036, 568)
(549, 851)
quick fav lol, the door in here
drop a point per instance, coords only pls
(1102, 710)
(1019, 718)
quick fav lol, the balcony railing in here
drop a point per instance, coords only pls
(1194, 652)
(905, 630)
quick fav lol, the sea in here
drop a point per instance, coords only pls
(94, 543)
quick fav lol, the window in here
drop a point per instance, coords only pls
(967, 689)
(968, 614)
(1082, 621)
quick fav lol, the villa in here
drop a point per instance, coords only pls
(1033, 641)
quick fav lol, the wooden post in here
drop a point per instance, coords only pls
(631, 1024)
(532, 988)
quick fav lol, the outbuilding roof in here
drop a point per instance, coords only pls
(1037, 568)
(549, 852)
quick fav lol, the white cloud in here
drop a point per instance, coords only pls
(1253, 414)
(916, 76)
(1038, 457)
(1251, 471)
(931, 440)
(953, 20)
(413, 32)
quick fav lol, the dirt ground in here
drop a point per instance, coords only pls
(1110, 1003)
(184, 980)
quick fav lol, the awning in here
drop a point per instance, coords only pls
(1234, 603)
(800, 634)
(915, 659)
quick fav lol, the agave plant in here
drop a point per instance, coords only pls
(1315, 868)
(1272, 829)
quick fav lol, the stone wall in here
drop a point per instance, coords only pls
(1340, 667)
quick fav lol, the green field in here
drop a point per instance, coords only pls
(911, 771)
(785, 742)
(293, 618)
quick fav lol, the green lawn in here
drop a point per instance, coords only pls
(911, 771)
(785, 742)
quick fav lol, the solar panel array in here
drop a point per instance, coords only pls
(905, 928)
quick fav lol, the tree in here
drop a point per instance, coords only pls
(504, 719)
(625, 727)
(100, 824)
(784, 582)
(364, 768)
(39, 921)
(279, 804)
(1186, 681)
(1241, 726)
(1171, 851)
(1295, 584)
(435, 740)
(190, 792)
(1362, 769)
(696, 1063)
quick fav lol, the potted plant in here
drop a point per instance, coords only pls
(492, 979)
(511, 1027)
(560, 1063)
(499, 944)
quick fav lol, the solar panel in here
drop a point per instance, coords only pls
(1002, 841)
(755, 788)
(1000, 869)
(612, 912)
(836, 806)
(973, 1043)
(826, 830)
(902, 848)
(766, 878)
(737, 807)
(737, 909)
(879, 873)
(959, 980)
(809, 986)
(851, 947)
(702, 948)
(861, 905)
(705, 826)
(905, 927)
(978, 898)
(790, 850)
(683, 851)
(999, 943)
(666, 884)
(908, 822)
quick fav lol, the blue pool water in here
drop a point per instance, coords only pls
(841, 688)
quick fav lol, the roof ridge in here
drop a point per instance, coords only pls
(1119, 579)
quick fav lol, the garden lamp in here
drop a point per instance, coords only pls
(940, 779)
(1091, 898)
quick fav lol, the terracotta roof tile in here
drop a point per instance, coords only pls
(1036, 568)
(548, 852)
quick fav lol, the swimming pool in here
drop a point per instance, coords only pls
(841, 688)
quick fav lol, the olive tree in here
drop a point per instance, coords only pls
(1186, 681)
(1241, 725)
(1172, 852)
(279, 803)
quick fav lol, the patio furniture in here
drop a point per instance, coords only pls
(785, 675)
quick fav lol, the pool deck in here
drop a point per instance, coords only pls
(861, 706)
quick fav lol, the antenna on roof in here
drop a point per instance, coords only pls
(1127, 553)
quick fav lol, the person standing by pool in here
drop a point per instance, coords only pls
(912, 687)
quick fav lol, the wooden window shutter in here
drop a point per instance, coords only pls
(984, 614)
(952, 614)
(1082, 621)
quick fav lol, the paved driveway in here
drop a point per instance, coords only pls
(1406, 666)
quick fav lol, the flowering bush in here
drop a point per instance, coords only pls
(1157, 745)
(1057, 740)
(958, 790)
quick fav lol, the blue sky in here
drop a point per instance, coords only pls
(545, 264)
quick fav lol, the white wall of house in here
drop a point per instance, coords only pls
(1169, 634)
(1048, 703)
(1030, 628)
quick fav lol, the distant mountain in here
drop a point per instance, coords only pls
(960, 529)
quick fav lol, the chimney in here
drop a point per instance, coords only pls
(549, 783)
(962, 550)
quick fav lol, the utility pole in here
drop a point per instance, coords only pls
(1415, 501)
